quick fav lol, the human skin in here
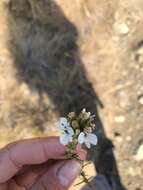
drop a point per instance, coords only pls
(37, 164)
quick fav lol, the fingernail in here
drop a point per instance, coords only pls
(68, 172)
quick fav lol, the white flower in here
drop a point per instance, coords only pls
(67, 131)
(88, 139)
(67, 135)
(63, 123)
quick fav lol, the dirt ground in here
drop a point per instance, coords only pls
(62, 55)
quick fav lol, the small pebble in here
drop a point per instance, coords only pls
(140, 99)
(122, 28)
(131, 171)
(119, 119)
(140, 50)
(119, 139)
(128, 138)
(139, 155)
(123, 99)
(139, 58)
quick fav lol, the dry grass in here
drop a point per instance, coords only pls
(29, 102)
(66, 56)
(46, 64)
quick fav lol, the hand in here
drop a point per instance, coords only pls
(37, 164)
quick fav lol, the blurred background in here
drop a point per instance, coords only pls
(58, 56)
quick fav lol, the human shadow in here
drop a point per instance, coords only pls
(47, 57)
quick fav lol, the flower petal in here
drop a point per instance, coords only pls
(63, 119)
(83, 110)
(81, 138)
(87, 143)
(70, 131)
(64, 139)
(63, 123)
(69, 138)
(92, 138)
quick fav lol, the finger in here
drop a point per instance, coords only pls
(12, 185)
(27, 152)
(59, 177)
(32, 174)
(3, 186)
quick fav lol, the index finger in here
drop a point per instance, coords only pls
(28, 152)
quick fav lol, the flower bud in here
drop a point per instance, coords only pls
(75, 124)
(88, 130)
(77, 131)
(71, 115)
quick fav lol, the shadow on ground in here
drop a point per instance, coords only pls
(44, 46)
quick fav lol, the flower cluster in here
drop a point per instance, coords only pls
(77, 129)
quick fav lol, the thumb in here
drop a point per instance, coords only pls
(59, 176)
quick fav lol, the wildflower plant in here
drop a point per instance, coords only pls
(77, 129)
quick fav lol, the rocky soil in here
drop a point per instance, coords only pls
(57, 56)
